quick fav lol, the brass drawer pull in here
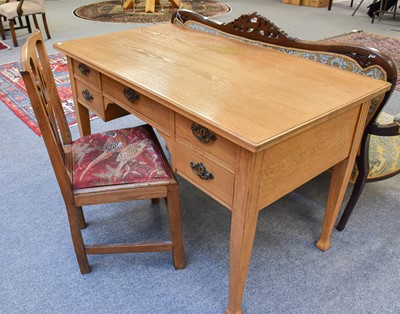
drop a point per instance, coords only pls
(201, 171)
(130, 94)
(203, 134)
(87, 95)
(84, 69)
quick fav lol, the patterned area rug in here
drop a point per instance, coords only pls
(3, 46)
(388, 45)
(112, 11)
(13, 92)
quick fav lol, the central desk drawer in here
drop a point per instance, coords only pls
(204, 173)
(207, 140)
(137, 104)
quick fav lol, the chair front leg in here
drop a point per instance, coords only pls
(362, 162)
(3, 35)
(355, 195)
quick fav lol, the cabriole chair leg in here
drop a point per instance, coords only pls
(355, 195)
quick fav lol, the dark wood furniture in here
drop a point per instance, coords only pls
(384, 9)
(69, 158)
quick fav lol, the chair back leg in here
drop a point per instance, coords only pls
(46, 28)
(12, 31)
(35, 21)
(28, 24)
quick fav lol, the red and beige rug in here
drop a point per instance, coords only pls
(13, 93)
(388, 45)
(3, 46)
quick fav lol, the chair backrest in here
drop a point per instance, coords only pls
(39, 2)
(24, 7)
(256, 29)
(38, 77)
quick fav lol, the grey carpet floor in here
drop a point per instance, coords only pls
(38, 270)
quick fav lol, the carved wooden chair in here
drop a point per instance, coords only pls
(14, 9)
(379, 155)
(113, 166)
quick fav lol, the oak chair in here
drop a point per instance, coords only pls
(12, 10)
(113, 166)
(379, 155)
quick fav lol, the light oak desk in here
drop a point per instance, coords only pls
(245, 124)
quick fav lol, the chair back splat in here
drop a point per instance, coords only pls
(379, 156)
(109, 167)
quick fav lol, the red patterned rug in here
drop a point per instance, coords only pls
(13, 92)
(112, 11)
(3, 46)
(388, 45)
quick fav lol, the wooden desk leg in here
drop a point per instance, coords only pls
(82, 116)
(82, 113)
(243, 227)
(336, 193)
(150, 6)
(340, 180)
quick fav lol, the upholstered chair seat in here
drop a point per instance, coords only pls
(125, 156)
(384, 153)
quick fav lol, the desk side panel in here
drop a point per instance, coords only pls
(292, 163)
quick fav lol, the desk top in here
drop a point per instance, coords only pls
(254, 96)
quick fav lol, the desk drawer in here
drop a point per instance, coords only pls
(216, 181)
(207, 141)
(137, 104)
(90, 98)
(86, 73)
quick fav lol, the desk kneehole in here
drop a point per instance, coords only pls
(136, 103)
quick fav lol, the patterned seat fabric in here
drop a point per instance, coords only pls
(123, 156)
(384, 152)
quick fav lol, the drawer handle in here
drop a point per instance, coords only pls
(203, 134)
(201, 171)
(87, 95)
(130, 94)
(84, 69)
